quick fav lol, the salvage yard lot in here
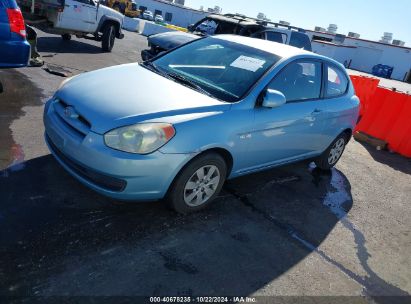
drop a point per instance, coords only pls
(293, 230)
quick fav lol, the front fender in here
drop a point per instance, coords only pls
(114, 20)
(221, 130)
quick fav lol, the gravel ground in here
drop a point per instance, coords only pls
(292, 231)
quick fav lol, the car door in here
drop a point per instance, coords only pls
(294, 130)
(78, 15)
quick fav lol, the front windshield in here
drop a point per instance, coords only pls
(223, 69)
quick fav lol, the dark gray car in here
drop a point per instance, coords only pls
(228, 24)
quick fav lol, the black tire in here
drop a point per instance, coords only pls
(178, 193)
(66, 37)
(327, 160)
(109, 36)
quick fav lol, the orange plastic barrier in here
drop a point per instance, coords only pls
(399, 136)
(365, 87)
(385, 114)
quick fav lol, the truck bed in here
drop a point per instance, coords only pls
(44, 10)
(41, 5)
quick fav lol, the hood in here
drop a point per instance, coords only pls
(128, 94)
(170, 40)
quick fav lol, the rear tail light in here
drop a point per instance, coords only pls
(16, 21)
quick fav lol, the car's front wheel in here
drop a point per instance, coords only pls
(109, 36)
(331, 156)
(198, 184)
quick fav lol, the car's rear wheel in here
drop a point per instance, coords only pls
(331, 156)
(198, 183)
(66, 37)
(109, 36)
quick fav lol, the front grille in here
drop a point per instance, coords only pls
(76, 122)
(103, 181)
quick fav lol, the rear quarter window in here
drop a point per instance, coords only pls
(337, 82)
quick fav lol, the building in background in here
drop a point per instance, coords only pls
(362, 54)
(262, 16)
(173, 12)
(215, 10)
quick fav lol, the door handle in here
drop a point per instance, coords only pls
(317, 111)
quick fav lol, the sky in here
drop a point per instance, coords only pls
(369, 18)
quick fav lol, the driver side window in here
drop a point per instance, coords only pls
(299, 81)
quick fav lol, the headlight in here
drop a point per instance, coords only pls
(140, 138)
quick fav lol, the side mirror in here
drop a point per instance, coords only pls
(190, 27)
(273, 99)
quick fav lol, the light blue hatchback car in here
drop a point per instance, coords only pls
(216, 108)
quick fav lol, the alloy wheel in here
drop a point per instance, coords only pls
(201, 186)
(336, 151)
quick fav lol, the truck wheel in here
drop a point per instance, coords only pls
(198, 184)
(109, 35)
(66, 37)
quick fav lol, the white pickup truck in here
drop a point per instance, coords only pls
(83, 18)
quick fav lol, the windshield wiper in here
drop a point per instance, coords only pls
(189, 83)
(151, 66)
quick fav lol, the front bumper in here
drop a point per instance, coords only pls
(112, 173)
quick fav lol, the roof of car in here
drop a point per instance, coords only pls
(282, 50)
(249, 21)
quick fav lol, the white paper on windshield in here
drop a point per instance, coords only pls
(248, 63)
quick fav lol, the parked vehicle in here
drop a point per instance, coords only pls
(126, 7)
(229, 24)
(14, 48)
(162, 42)
(148, 15)
(207, 27)
(213, 109)
(158, 18)
(83, 18)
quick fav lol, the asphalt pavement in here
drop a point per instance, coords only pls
(294, 231)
